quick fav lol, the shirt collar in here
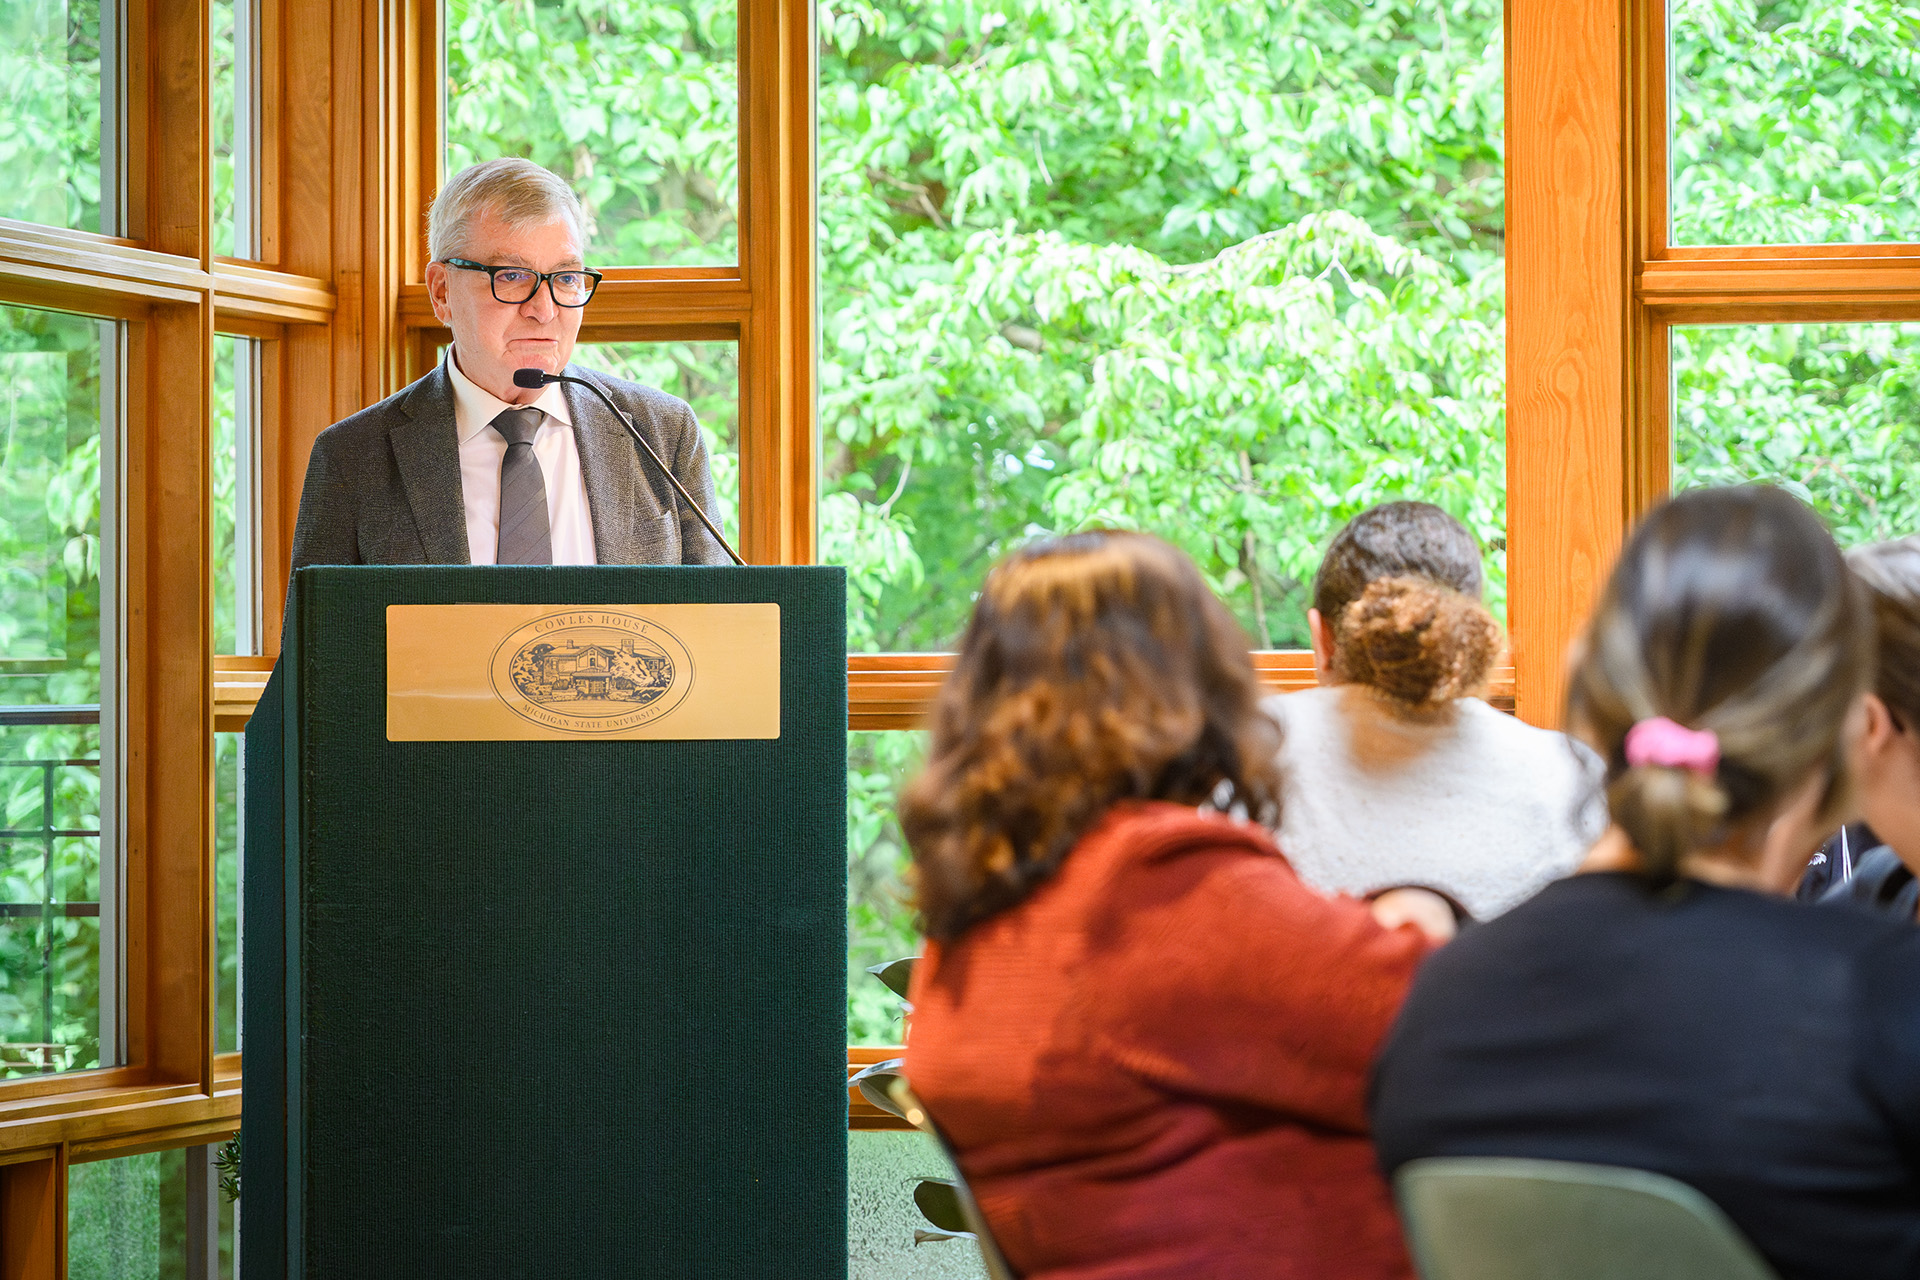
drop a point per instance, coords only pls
(475, 408)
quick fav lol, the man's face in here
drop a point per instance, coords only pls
(493, 338)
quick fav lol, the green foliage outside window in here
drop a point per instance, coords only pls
(1795, 121)
(49, 655)
(50, 130)
(1229, 273)
(1830, 412)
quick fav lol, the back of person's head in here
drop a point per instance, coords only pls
(1399, 592)
(1097, 668)
(517, 192)
(1890, 572)
(1730, 613)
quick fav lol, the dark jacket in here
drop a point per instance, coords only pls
(1765, 1051)
(383, 486)
(1880, 883)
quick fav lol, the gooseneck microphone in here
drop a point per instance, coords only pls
(531, 378)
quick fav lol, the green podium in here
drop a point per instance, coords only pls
(569, 1006)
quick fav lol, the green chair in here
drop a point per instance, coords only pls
(1481, 1218)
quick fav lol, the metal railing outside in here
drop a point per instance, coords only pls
(44, 1054)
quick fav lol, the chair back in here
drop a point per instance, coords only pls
(1484, 1218)
(916, 1114)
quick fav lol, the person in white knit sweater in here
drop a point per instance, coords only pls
(1396, 771)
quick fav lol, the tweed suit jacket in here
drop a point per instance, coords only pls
(383, 486)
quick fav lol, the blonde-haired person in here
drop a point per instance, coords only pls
(1147, 1041)
(1886, 876)
(1397, 771)
(1671, 1008)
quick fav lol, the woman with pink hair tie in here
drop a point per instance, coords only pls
(1671, 1008)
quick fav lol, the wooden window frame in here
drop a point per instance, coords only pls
(1594, 290)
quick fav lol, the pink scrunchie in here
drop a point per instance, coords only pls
(1668, 745)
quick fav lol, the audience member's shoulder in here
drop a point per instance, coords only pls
(1886, 975)
(1542, 750)
(1880, 884)
(1304, 710)
(1155, 829)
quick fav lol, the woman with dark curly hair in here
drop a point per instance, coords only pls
(1146, 1039)
(1398, 737)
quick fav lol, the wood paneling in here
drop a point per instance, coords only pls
(33, 1216)
(1567, 327)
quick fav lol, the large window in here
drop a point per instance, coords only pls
(1227, 273)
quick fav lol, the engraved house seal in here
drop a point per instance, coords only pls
(592, 671)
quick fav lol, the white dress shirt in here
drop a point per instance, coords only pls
(483, 449)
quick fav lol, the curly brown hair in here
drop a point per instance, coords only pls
(1097, 668)
(1399, 589)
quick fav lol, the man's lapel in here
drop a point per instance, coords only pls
(609, 467)
(426, 447)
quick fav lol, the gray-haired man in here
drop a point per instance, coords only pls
(464, 467)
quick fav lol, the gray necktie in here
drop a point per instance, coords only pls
(524, 534)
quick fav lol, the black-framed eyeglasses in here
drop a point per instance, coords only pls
(515, 285)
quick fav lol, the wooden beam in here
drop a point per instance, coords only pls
(257, 293)
(1567, 327)
(170, 573)
(33, 1216)
(655, 301)
(92, 265)
(779, 479)
(1881, 286)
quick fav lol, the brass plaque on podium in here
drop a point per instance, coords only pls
(539, 672)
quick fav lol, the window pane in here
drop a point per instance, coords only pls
(224, 103)
(1795, 122)
(1826, 411)
(50, 899)
(50, 630)
(127, 1218)
(633, 101)
(707, 376)
(49, 508)
(50, 131)
(227, 510)
(236, 382)
(879, 922)
(1227, 273)
(228, 797)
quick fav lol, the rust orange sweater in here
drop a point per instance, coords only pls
(1156, 1065)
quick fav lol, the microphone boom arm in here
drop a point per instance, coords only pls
(527, 378)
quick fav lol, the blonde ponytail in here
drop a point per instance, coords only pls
(1730, 613)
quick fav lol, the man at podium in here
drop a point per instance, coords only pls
(466, 466)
